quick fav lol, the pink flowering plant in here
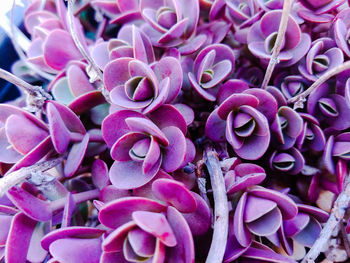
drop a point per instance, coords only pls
(172, 131)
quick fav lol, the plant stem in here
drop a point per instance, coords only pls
(24, 173)
(320, 81)
(336, 217)
(93, 70)
(37, 95)
(218, 244)
(278, 44)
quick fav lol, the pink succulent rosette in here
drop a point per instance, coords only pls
(49, 27)
(289, 161)
(262, 36)
(322, 57)
(341, 28)
(141, 146)
(136, 85)
(311, 137)
(131, 42)
(243, 120)
(211, 67)
(287, 127)
(330, 107)
(303, 229)
(261, 211)
(148, 230)
(169, 23)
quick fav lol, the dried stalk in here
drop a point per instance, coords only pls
(320, 81)
(218, 244)
(278, 44)
(336, 217)
(24, 173)
(345, 239)
(37, 95)
(93, 70)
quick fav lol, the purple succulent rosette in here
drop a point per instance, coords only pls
(141, 146)
(303, 229)
(322, 57)
(336, 151)
(130, 42)
(321, 6)
(135, 85)
(329, 107)
(312, 136)
(145, 229)
(287, 127)
(243, 120)
(262, 36)
(292, 86)
(341, 28)
(168, 23)
(49, 27)
(260, 211)
(288, 161)
(211, 67)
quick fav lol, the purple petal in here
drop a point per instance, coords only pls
(18, 241)
(58, 56)
(78, 232)
(175, 194)
(285, 203)
(267, 224)
(159, 117)
(241, 232)
(119, 212)
(70, 250)
(23, 142)
(148, 127)
(114, 125)
(170, 67)
(31, 206)
(142, 242)
(235, 101)
(157, 225)
(76, 156)
(184, 250)
(115, 240)
(129, 174)
(99, 174)
(175, 152)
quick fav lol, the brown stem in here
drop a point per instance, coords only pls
(278, 44)
(37, 95)
(218, 244)
(93, 70)
(336, 216)
(24, 173)
(319, 81)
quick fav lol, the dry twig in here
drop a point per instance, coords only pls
(218, 245)
(24, 173)
(278, 44)
(336, 216)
